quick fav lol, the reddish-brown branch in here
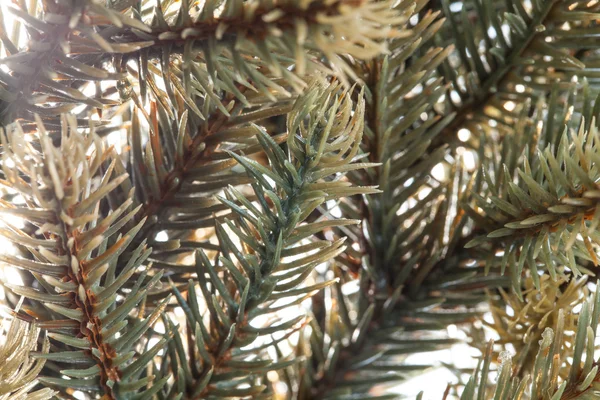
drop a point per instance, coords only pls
(254, 26)
(91, 324)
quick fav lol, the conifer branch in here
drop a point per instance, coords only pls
(312, 233)
(271, 235)
(49, 46)
(497, 79)
(97, 35)
(391, 258)
(491, 78)
(75, 256)
(546, 378)
(18, 367)
(547, 204)
(255, 23)
(524, 325)
(179, 172)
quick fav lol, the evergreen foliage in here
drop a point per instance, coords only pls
(296, 199)
(19, 367)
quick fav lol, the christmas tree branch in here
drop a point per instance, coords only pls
(67, 38)
(18, 367)
(390, 254)
(499, 78)
(549, 203)
(75, 253)
(273, 262)
(546, 378)
(512, 66)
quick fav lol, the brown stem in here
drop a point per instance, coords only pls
(176, 177)
(256, 26)
(91, 325)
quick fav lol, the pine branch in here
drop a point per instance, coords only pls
(387, 137)
(545, 205)
(238, 179)
(511, 67)
(79, 41)
(29, 84)
(524, 324)
(18, 368)
(182, 167)
(75, 252)
(274, 260)
(392, 254)
(255, 22)
(548, 379)
(195, 155)
(476, 100)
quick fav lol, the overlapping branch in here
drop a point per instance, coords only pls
(72, 43)
(269, 269)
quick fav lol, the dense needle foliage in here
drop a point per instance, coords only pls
(297, 199)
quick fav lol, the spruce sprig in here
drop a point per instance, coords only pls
(265, 252)
(19, 366)
(74, 252)
(546, 205)
(546, 378)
